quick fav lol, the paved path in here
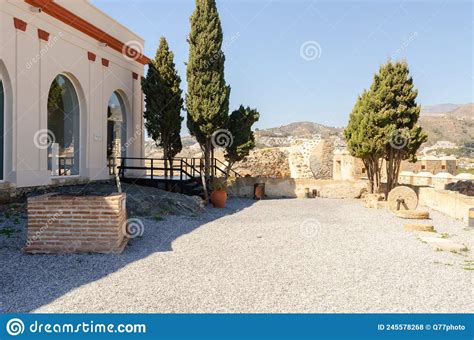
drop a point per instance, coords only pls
(315, 255)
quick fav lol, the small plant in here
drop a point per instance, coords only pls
(158, 218)
(7, 232)
(468, 265)
(218, 184)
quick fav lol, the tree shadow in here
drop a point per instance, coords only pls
(28, 282)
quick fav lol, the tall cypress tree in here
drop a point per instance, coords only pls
(384, 124)
(394, 98)
(207, 99)
(163, 102)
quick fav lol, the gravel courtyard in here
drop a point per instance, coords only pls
(314, 255)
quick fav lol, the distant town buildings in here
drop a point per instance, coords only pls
(439, 145)
(347, 167)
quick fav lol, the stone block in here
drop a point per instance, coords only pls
(442, 244)
(372, 200)
(419, 227)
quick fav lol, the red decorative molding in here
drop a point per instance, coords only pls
(57, 11)
(91, 56)
(43, 35)
(19, 24)
(135, 75)
(105, 62)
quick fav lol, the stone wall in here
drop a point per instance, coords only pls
(438, 181)
(271, 162)
(347, 167)
(296, 188)
(321, 160)
(304, 158)
(299, 157)
(450, 203)
(75, 224)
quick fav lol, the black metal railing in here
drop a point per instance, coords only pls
(181, 168)
(220, 167)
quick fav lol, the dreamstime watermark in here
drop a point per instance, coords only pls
(310, 227)
(45, 49)
(133, 50)
(310, 50)
(15, 327)
(150, 148)
(222, 138)
(43, 229)
(399, 139)
(43, 139)
(405, 45)
(133, 228)
(137, 134)
(225, 46)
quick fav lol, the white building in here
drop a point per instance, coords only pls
(69, 87)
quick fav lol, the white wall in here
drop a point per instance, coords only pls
(30, 65)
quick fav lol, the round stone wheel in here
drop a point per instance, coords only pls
(402, 198)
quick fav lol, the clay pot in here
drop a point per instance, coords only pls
(259, 191)
(219, 198)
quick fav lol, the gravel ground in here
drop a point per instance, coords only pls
(316, 255)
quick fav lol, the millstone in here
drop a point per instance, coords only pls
(402, 198)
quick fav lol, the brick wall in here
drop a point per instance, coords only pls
(76, 224)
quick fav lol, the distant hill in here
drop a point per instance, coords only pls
(456, 126)
(463, 111)
(437, 109)
(299, 129)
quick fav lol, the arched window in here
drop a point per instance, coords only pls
(63, 128)
(2, 128)
(116, 127)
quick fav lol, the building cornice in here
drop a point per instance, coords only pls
(62, 14)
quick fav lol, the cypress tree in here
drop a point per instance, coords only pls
(384, 124)
(397, 113)
(163, 102)
(207, 98)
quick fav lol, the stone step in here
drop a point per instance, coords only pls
(422, 234)
(442, 244)
(413, 214)
(419, 227)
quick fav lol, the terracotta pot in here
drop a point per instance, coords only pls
(259, 191)
(218, 198)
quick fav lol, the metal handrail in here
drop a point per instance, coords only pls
(190, 166)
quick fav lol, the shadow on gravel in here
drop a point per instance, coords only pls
(28, 282)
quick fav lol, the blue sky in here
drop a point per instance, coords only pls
(268, 68)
